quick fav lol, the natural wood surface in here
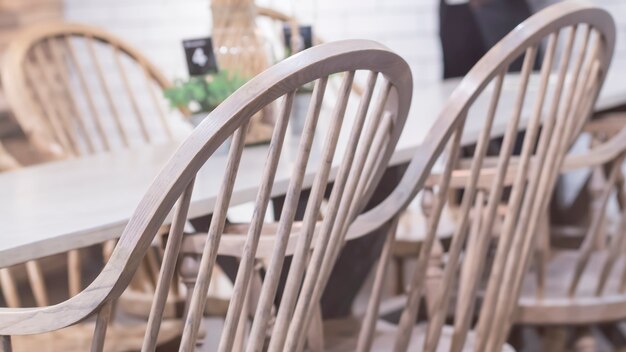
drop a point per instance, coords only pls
(380, 130)
(584, 61)
(583, 285)
(54, 80)
(528, 201)
(41, 222)
(53, 75)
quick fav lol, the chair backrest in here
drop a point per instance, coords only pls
(341, 145)
(585, 262)
(573, 42)
(76, 89)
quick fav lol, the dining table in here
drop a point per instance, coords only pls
(58, 206)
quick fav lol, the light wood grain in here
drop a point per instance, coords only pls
(69, 58)
(280, 81)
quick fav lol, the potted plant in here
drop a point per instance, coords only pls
(202, 94)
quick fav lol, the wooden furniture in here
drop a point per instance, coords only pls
(583, 286)
(446, 133)
(37, 204)
(77, 90)
(54, 78)
(372, 138)
(585, 35)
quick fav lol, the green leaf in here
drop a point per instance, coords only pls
(207, 92)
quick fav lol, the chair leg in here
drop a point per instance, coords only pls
(434, 275)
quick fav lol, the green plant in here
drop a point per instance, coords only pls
(203, 94)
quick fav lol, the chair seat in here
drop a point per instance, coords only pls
(341, 335)
(555, 306)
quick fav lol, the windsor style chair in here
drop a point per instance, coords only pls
(584, 285)
(76, 90)
(481, 277)
(372, 135)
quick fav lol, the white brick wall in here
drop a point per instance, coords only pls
(409, 27)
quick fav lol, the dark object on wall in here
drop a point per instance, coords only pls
(461, 39)
(200, 56)
(306, 35)
(496, 18)
(468, 31)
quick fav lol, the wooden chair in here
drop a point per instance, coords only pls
(480, 278)
(583, 285)
(372, 135)
(75, 90)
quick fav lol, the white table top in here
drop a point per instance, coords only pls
(54, 207)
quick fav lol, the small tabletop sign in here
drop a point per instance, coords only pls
(200, 56)
(306, 34)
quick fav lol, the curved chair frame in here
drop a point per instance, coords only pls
(176, 179)
(24, 98)
(497, 308)
(601, 301)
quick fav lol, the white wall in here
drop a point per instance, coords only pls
(407, 26)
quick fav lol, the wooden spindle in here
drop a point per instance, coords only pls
(87, 93)
(100, 330)
(338, 205)
(247, 260)
(105, 89)
(209, 253)
(300, 258)
(55, 104)
(131, 95)
(42, 99)
(515, 200)
(168, 267)
(616, 247)
(74, 272)
(593, 231)
(460, 233)
(416, 286)
(37, 282)
(9, 288)
(60, 62)
(273, 270)
(155, 101)
(366, 334)
(467, 297)
(539, 186)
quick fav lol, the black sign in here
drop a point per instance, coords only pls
(200, 56)
(306, 35)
